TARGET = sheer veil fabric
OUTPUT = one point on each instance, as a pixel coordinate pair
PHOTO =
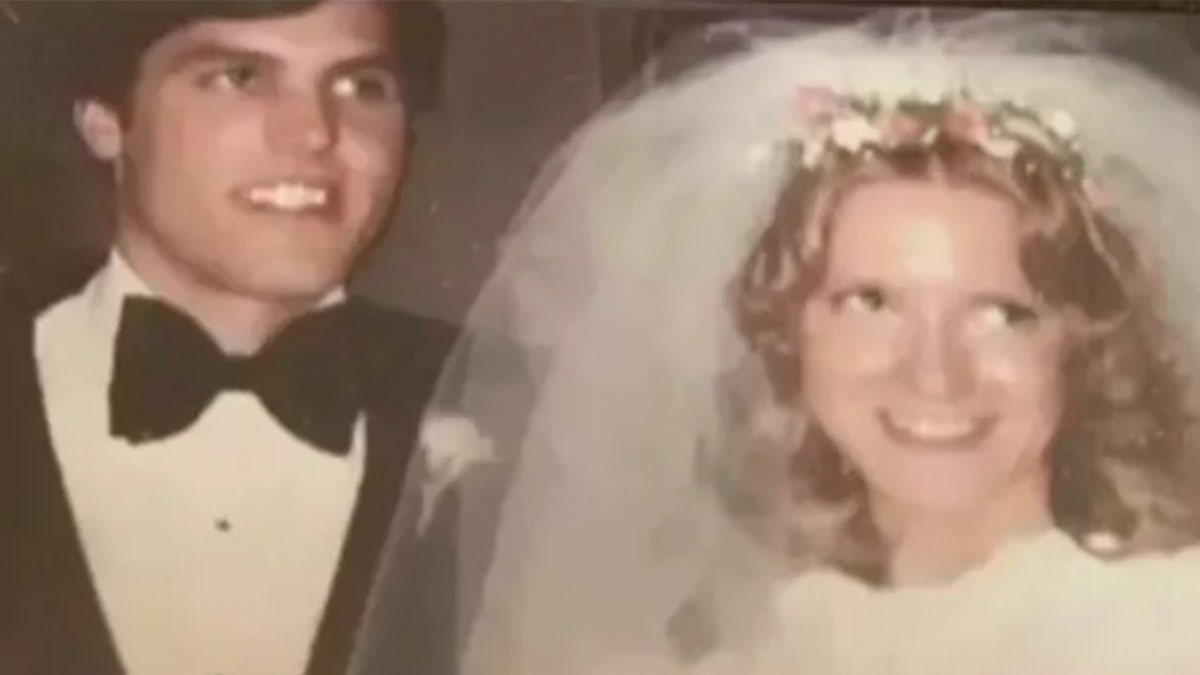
(603, 393)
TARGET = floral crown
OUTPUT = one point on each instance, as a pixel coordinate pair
(859, 124)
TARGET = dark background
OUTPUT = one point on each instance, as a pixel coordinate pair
(520, 75)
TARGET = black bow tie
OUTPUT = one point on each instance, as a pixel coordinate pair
(167, 371)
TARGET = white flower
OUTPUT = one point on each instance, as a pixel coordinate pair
(814, 149)
(1102, 543)
(450, 445)
(928, 91)
(1061, 123)
(889, 98)
(853, 131)
(1000, 147)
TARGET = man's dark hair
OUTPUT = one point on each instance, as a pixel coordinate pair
(100, 43)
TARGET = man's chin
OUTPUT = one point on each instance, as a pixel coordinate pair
(295, 291)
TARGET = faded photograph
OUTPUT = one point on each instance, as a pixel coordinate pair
(599, 337)
(860, 342)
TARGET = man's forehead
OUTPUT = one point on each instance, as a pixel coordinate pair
(327, 34)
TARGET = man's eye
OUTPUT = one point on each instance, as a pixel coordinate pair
(233, 77)
(371, 87)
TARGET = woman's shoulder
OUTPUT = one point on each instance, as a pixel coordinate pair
(1153, 577)
(1138, 614)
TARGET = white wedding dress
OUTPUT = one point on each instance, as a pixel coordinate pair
(1042, 606)
(614, 287)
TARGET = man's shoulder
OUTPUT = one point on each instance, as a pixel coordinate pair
(391, 325)
(391, 339)
(400, 355)
(31, 284)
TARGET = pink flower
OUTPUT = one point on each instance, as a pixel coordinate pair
(900, 129)
(968, 122)
(817, 104)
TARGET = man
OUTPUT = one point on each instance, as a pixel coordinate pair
(205, 438)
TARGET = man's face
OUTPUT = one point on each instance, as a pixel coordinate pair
(258, 157)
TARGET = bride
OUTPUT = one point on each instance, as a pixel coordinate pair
(862, 351)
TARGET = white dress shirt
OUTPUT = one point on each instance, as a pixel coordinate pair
(213, 551)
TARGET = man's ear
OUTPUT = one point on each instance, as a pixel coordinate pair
(100, 127)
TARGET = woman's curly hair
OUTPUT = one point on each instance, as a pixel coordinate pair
(1119, 456)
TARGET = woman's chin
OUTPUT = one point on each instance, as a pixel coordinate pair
(933, 499)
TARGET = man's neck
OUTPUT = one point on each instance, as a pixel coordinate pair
(237, 323)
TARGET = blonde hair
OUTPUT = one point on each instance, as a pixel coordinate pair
(1118, 456)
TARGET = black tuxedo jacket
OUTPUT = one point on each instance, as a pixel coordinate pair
(51, 621)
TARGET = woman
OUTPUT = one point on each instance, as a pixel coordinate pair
(990, 405)
(863, 351)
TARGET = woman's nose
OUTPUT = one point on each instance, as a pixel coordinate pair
(935, 361)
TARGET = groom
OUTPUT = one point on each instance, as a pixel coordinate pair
(204, 438)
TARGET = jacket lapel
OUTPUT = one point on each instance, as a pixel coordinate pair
(52, 620)
(400, 357)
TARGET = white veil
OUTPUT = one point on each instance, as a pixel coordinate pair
(604, 375)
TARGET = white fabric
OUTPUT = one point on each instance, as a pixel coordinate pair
(1041, 606)
(213, 551)
(613, 287)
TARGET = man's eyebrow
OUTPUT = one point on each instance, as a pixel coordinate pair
(382, 59)
(213, 51)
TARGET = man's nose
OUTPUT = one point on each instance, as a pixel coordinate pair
(303, 123)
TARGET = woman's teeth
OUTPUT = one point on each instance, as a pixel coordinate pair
(933, 430)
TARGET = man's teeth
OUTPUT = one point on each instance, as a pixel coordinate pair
(289, 196)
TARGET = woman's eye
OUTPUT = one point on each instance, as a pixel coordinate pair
(1004, 314)
(865, 300)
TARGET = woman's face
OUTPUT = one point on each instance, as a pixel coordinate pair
(927, 357)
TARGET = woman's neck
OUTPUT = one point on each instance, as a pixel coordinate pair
(929, 546)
